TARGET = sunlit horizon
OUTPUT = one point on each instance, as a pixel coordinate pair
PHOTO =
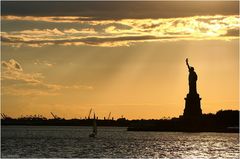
(131, 64)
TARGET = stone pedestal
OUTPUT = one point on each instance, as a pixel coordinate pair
(192, 109)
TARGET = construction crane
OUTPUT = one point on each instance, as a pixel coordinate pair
(89, 113)
(4, 116)
(55, 116)
(109, 116)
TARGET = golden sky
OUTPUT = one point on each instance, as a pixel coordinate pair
(127, 58)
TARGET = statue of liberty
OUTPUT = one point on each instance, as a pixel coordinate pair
(192, 109)
(192, 79)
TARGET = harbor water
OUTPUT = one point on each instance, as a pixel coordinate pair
(112, 142)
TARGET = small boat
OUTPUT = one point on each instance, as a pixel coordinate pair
(94, 133)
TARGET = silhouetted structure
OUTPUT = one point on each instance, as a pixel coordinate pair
(222, 121)
(192, 109)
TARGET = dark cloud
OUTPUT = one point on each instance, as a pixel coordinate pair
(88, 41)
(232, 32)
(17, 66)
(120, 10)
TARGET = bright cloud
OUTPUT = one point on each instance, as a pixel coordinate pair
(123, 32)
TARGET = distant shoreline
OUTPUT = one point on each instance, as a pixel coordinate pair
(234, 130)
(223, 121)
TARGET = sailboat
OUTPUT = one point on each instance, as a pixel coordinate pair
(94, 133)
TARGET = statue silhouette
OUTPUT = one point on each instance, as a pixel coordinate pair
(192, 110)
(192, 79)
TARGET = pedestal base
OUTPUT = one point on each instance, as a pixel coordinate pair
(192, 107)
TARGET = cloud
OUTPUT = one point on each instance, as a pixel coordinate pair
(12, 65)
(95, 41)
(118, 10)
(12, 70)
(127, 31)
(16, 91)
(43, 63)
(15, 81)
(232, 32)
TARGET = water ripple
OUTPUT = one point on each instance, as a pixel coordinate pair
(111, 142)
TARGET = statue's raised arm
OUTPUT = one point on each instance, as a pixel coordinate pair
(187, 63)
(192, 78)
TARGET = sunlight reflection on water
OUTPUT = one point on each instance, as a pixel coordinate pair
(68, 141)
